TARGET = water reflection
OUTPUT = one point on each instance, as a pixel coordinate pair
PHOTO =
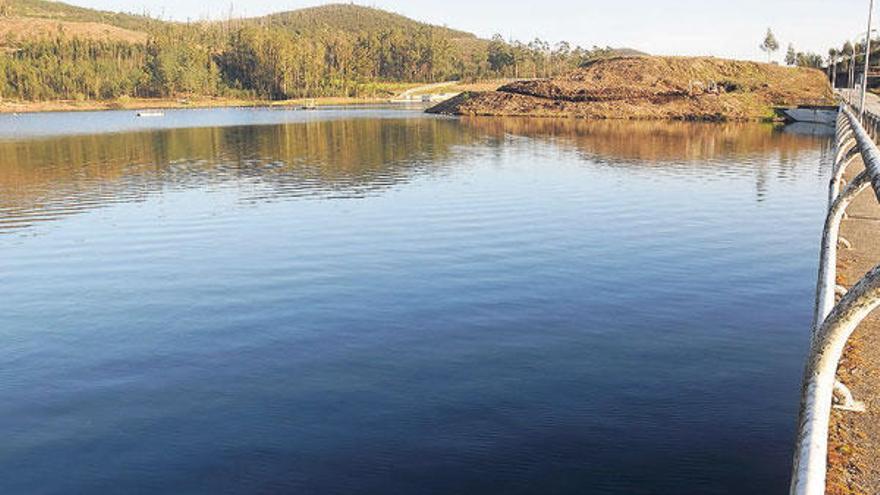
(48, 178)
(530, 307)
(677, 146)
(658, 142)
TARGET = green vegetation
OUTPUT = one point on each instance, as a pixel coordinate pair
(334, 50)
(807, 59)
(790, 55)
(847, 63)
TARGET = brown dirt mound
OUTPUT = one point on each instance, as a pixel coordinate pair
(653, 88)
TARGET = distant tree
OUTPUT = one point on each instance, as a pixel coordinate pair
(770, 44)
(561, 53)
(539, 51)
(500, 55)
(833, 55)
(790, 55)
(847, 53)
(809, 59)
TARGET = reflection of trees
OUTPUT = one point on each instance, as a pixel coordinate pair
(51, 177)
(655, 142)
(46, 178)
(673, 144)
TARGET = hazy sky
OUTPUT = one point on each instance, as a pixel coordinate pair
(725, 28)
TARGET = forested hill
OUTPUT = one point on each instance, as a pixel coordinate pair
(51, 50)
(352, 19)
(62, 12)
(348, 18)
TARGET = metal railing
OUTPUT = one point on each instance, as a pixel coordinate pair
(833, 324)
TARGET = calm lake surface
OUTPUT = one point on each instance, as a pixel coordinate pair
(379, 301)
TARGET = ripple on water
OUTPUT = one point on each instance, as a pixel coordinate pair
(382, 302)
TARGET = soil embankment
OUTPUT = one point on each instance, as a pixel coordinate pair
(682, 88)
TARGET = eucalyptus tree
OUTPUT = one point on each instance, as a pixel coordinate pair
(790, 55)
(833, 55)
(770, 44)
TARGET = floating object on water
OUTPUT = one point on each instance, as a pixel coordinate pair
(150, 113)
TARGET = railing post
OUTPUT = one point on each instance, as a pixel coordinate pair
(833, 325)
(837, 174)
(828, 253)
(811, 451)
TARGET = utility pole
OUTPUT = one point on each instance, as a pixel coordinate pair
(867, 59)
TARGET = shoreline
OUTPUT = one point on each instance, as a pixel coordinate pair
(125, 103)
(22, 107)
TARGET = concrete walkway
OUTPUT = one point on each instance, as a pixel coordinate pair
(427, 88)
(854, 438)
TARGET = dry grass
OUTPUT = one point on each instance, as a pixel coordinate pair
(490, 85)
(16, 29)
(10, 106)
(698, 88)
(461, 87)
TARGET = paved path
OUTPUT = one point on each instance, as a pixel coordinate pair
(873, 101)
(854, 438)
(408, 94)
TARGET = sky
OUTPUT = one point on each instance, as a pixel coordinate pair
(726, 28)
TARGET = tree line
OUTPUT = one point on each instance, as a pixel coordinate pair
(792, 57)
(267, 61)
(847, 62)
(844, 64)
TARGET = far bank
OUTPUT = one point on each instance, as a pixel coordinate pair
(171, 103)
(644, 87)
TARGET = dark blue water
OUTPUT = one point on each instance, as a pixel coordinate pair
(373, 301)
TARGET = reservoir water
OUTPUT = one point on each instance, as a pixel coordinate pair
(359, 301)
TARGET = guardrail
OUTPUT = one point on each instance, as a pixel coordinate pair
(833, 324)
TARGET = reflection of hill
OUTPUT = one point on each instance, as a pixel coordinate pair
(42, 179)
(654, 142)
(46, 178)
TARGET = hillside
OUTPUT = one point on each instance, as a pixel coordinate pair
(698, 88)
(55, 51)
(28, 18)
(15, 30)
(351, 19)
(59, 11)
(22, 21)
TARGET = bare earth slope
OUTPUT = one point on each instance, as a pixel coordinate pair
(691, 88)
(59, 11)
(18, 29)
